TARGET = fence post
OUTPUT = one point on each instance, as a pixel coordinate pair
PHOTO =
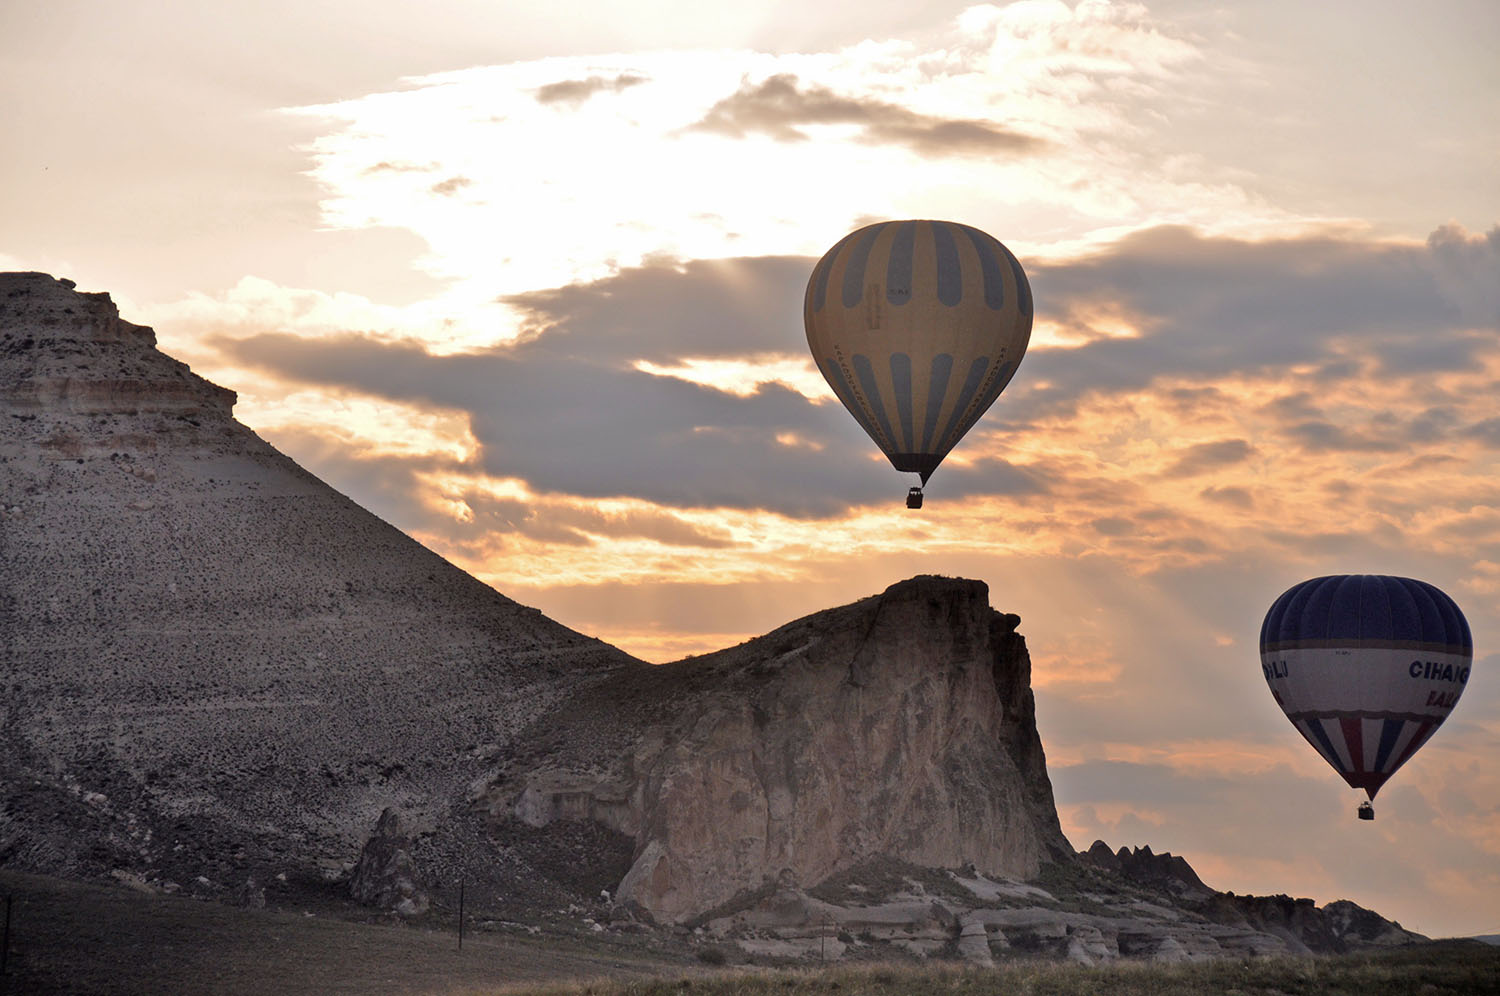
(5, 939)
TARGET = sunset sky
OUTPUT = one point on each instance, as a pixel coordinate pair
(526, 281)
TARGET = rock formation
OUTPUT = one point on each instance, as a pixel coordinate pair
(217, 663)
(206, 646)
(1164, 871)
(902, 724)
(384, 876)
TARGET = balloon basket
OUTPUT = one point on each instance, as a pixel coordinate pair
(1366, 811)
(914, 498)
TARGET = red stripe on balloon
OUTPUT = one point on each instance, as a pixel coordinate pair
(1354, 740)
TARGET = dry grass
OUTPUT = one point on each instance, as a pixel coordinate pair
(1437, 969)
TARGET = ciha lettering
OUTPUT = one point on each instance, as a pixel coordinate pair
(1438, 671)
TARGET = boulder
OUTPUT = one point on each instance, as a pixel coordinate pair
(385, 877)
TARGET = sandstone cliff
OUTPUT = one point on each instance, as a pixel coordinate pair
(900, 725)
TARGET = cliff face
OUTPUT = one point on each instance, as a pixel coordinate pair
(899, 725)
(215, 665)
(67, 352)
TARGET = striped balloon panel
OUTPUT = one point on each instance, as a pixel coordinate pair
(917, 326)
(1349, 609)
(1366, 667)
(1364, 750)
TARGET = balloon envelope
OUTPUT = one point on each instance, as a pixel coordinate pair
(917, 326)
(1366, 667)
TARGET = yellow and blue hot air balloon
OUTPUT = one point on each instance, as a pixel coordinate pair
(917, 326)
(1366, 667)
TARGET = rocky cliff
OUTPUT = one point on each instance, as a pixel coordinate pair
(217, 669)
(900, 725)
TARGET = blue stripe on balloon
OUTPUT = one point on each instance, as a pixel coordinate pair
(1455, 627)
(994, 283)
(901, 378)
(996, 385)
(898, 269)
(950, 277)
(1377, 621)
(835, 377)
(1344, 616)
(1390, 732)
(865, 371)
(824, 269)
(965, 395)
(1023, 286)
(859, 258)
(1432, 627)
(937, 390)
(1406, 617)
(1325, 746)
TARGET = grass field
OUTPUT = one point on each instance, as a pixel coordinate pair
(69, 937)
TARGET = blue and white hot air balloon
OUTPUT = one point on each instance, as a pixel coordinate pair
(1366, 667)
(917, 326)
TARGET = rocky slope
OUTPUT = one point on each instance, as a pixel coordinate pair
(1085, 911)
(202, 641)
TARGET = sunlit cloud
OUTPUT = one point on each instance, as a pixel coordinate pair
(1028, 120)
(743, 377)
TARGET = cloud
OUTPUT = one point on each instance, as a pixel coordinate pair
(780, 108)
(1229, 495)
(452, 185)
(575, 92)
(665, 311)
(385, 166)
(1202, 458)
(1215, 306)
(1486, 431)
(597, 398)
(589, 428)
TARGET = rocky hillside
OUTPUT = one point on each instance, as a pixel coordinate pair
(202, 641)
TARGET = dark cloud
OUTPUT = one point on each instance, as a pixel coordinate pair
(587, 426)
(779, 107)
(577, 91)
(1204, 457)
(1216, 306)
(565, 408)
(1327, 437)
(1113, 526)
(1238, 497)
(663, 312)
(1486, 431)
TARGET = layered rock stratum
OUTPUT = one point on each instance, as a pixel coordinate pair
(219, 673)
